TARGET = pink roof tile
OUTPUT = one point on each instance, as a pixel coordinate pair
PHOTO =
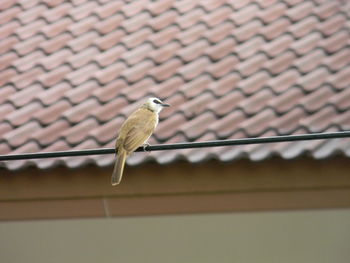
(71, 71)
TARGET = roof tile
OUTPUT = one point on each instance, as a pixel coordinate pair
(196, 86)
(110, 24)
(303, 27)
(184, 6)
(251, 65)
(217, 33)
(83, 10)
(160, 6)
(51, 114)
(254, 82)
(79, 112)
(53, 93)
(273, 12)
(258, 123)
(56, 59)
(162, 37)
(109, 40)
(250, 47)
(134, 7)
(245, 14)
(286, 100)
(310, 61)
(19, 136)
(53, 77)
(300, 11)
(110, 90)
(24, 114)
(190, 18)
(193, 69)
(163, 20)
(52, 30)
(55, 43)
(109, 56)
(193, 51)
(336, 41)
(78, 132)
(108, 9)
(83, 26)
(255, 103)
(217, 16)
(226, 104)
(28, 77)
(55, 13)
(25, 96)
(6, 92)
(223, 66)
(108, 74)
(274, 29)
(29, 45)
(165, 70)
(229, 69)
(221, 49)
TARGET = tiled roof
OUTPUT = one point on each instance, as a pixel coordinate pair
(71, 71)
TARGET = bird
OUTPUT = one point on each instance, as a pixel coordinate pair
(134, 132)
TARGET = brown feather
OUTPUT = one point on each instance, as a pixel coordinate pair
(134, 132)
(118, 167)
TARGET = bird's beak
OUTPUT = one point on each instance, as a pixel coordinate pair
(165, 105)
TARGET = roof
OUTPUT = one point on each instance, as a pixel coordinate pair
(71, 71)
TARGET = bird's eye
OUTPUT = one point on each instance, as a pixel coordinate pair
(156, 101)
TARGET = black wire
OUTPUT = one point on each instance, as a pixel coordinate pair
(178, 146)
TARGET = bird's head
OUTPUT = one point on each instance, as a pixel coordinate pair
(155, 104)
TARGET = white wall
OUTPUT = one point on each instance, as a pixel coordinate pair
(311, 236)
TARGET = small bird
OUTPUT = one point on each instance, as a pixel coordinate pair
(135, 132)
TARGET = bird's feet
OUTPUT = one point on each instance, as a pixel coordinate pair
(145, 146)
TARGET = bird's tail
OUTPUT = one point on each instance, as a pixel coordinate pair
(118, 167)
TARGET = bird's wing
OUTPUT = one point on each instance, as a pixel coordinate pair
(139, 127)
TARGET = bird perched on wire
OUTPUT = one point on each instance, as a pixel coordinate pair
(135, 132)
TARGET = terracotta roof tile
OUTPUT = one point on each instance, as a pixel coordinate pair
(273, 12)
(6, 92)
(71, 72)
(134, 7)
(19, 136)
(217, 16)
(55, 13)
(249, 47)
(221, 49)
(109, 91)
(55, 43)
(300, 11)
(190, 18)
(336, 41)
(52, 30)
(254, 82)
(108, 9)
(274, 29)
(223, 66)
(244, 14)
(227, 125)
(25, 96)
(256, 102)
(162, 37)
(29, 45)
(53, 77)
(26, 78)
(184, 6)
(56, 59)
(226, 104)
(165, 70)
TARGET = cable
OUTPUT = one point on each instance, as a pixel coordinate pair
(178, 146)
